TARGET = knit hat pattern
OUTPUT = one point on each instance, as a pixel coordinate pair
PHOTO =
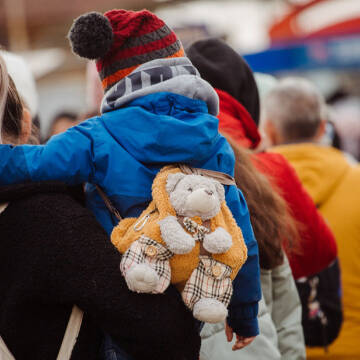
(121, 40)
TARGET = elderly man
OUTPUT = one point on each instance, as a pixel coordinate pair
(295, 115)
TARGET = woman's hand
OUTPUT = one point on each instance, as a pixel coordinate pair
(240, 342)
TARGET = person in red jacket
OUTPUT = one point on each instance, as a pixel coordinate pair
(234, 82)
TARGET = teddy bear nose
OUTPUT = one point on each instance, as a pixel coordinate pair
(209, 192)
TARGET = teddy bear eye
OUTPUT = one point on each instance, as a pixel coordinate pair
(190, 189)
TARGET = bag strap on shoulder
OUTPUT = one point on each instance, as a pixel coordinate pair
(71, 334)
(68, 342)
(113, 210)
(5, 353)
(221, 177)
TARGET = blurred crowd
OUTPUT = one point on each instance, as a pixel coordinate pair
(295, 163)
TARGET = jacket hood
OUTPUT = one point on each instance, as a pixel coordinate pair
(164, 128)
(320, 168)
(236, 121)
(226, 70)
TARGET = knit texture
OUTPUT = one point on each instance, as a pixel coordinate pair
(54, 254)
(181, 265)
(91, 35)
(121, 40)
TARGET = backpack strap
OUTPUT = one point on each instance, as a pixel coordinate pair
(5, 353)
(71, 334)
(221, 177)
(3, 207)
(68, 343)
(108, 203)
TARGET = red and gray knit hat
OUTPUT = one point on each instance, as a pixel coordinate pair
(121, 40)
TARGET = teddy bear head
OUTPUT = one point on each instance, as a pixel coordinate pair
(195, 195)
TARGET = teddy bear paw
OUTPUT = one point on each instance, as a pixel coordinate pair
(142, 278)
(210, 310)
(217, 242)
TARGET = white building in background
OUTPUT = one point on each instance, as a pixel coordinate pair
(245, 23)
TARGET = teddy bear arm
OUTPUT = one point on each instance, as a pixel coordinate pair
(218, 242)
(175, 237)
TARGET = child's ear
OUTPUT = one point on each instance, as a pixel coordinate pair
(26, 125)
(173, 180)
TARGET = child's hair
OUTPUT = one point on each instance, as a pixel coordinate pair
(273, 224)
(11, 109)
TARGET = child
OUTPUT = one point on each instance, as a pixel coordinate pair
(156, 111)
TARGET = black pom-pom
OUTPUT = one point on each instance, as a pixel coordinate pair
(91, 35)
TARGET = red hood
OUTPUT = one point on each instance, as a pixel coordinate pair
(236, 121)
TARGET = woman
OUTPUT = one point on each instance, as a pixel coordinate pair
(53, 254)
(280, 312)
(234, 82)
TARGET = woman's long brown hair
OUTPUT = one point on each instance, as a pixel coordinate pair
(274, 226)
(4, 85)
(12, 111)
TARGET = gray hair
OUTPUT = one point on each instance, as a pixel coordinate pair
(296, 108)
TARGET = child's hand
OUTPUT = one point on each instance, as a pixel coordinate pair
(240, 342)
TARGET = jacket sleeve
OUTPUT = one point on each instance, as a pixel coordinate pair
(318, 245)
(286, 313)
(67, 157)
(243, 309)
(83, 268)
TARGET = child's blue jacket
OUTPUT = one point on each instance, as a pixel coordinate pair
(123, 150)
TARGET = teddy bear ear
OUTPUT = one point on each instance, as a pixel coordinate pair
(173, 180)
(220, 190)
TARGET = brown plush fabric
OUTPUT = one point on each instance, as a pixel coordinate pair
(182, 265)
(53, 254)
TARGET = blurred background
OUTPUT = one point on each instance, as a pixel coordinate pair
(319, 39)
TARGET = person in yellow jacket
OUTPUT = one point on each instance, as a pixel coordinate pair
(294, 124)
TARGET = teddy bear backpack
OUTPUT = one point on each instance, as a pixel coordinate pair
(187, 236)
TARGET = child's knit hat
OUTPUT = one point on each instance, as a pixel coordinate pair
(121, 40)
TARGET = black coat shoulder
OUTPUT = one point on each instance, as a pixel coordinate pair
(54, 251)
